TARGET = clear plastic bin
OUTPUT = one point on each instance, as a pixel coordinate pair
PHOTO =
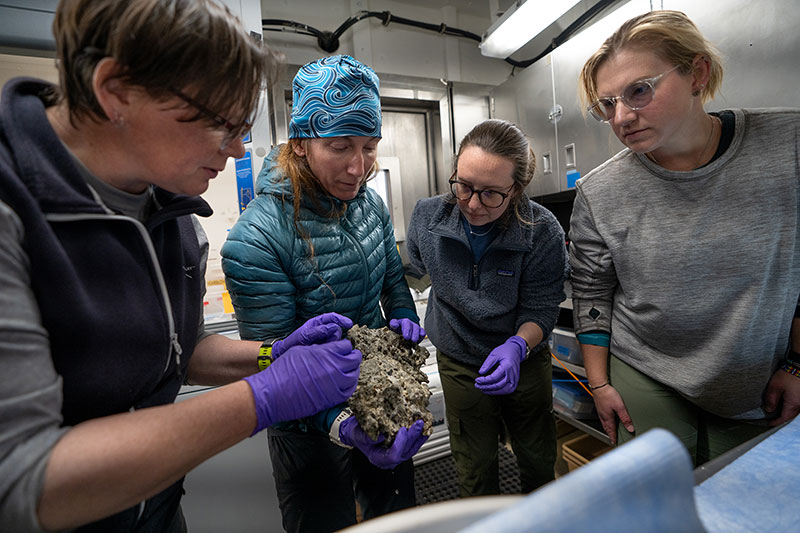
(570, 399)
(565, 346)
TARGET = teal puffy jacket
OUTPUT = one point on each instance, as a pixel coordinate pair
(275, 287)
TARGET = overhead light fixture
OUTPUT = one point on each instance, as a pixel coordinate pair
(520, 23)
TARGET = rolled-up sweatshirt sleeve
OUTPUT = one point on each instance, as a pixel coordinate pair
(593, 277)
(30, 388)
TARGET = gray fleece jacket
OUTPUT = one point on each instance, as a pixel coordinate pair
(696, 275)
(473, 308)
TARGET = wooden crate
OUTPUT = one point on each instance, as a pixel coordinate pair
(580, 450)
(564, 433)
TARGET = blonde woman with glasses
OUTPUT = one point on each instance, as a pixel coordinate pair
(685, 247)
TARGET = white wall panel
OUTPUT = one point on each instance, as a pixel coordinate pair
(394, 49)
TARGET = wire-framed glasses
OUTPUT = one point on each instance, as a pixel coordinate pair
(488, 197)
(229, 130)
(635, 96)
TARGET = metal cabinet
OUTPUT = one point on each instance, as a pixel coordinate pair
(759, 43)
(543, 100)
(527, 100)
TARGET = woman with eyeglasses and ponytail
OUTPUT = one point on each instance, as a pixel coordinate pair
(497, 264)
(685, 247)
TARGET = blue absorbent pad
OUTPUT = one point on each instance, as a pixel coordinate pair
(759, 490)
(643, 485)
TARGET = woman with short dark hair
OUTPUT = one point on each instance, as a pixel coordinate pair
(102, 265)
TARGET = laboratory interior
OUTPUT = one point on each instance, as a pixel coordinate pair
(446, 66)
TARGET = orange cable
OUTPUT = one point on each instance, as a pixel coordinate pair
(573, 375)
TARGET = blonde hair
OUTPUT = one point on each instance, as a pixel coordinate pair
(195, 46)
(668, 34)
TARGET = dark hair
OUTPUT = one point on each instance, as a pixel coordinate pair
(504, 139)
(194, 46)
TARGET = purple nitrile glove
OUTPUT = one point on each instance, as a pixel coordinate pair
(304, 381)
(410, 330)
(505, 377)
(406, 443)
(318, 330)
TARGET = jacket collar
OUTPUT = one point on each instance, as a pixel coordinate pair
(49, 174)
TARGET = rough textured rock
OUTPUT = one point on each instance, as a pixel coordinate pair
(392, 392)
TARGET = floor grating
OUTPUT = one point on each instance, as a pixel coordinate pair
(437, 481)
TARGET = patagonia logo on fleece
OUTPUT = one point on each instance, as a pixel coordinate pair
(506, 273)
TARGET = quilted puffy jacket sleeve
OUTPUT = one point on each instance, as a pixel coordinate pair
(395, 297)
(254, 262)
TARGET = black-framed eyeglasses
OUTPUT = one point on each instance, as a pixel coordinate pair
(488, 197)
(635, 96)
(231, 131)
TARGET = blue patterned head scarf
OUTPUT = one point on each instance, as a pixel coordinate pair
(334, 97)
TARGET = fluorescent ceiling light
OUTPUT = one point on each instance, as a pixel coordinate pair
(521, 23)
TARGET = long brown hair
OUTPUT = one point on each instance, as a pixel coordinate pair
(504, 139)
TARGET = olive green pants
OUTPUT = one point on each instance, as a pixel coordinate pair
(652, 404)
(476, 421)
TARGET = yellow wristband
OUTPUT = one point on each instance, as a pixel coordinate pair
(264, 358)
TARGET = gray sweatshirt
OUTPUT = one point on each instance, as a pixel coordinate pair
(696, 275)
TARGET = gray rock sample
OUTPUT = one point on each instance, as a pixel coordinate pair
(392, 392)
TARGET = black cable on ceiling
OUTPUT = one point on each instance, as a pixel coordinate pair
(329, 41)
(568, 32)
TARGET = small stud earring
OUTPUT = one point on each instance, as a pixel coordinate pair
(117, 119)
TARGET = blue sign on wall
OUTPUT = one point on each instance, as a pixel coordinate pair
(572, 177)
(244, 180)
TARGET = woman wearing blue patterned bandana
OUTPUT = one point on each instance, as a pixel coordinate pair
(316, 240)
